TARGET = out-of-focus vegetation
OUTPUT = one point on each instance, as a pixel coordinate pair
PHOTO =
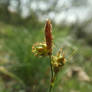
(21, 71)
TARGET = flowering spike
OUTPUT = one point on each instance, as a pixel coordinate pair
(40, 49)
(45, 49)
(48, 36)
(58, 61)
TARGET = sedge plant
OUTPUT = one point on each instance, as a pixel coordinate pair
(46, 49)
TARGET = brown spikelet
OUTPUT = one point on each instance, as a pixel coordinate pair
(48, 36)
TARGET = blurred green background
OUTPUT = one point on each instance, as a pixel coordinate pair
(22, 24)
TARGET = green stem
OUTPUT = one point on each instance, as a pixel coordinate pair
(52, 76)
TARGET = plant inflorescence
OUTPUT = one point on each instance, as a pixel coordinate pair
(46, 49)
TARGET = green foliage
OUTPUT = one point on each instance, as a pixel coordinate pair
(16, 42)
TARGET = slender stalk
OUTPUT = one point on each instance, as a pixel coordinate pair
(52, 76)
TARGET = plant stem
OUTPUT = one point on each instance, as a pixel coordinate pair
(52, 75)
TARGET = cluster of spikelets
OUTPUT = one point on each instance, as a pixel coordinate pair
(40, 49)
(58, 61)
(45, 49)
